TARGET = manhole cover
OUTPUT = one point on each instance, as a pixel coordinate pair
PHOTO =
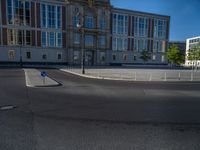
(9, 107)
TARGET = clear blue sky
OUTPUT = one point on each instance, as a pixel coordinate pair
(185, 14)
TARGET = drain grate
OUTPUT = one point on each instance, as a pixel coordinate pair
(8, 107)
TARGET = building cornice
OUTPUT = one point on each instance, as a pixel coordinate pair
(134, 12)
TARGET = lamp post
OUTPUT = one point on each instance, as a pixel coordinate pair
(80, 25)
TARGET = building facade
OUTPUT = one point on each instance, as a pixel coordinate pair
(133, 32)
(93, 36)
(33, 31)
(60, 31)
(191, 43)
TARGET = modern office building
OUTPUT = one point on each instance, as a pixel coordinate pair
(191, 43)
(62, 31)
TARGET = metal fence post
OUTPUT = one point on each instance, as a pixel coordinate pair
(150, 77)
(179, 76)
(192, 76)
(165, 78)
(135, 74)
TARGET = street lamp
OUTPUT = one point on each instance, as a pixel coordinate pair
(80, 26)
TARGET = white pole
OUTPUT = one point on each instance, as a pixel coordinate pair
(165, 77)
(43, 80)
(150, 77)
(135, 76)
(192, 76)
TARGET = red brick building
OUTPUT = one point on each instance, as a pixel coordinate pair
(33, 31)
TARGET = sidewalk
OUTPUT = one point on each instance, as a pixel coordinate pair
(138, 74)
(34, 79)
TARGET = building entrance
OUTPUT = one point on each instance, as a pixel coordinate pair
(89, 58)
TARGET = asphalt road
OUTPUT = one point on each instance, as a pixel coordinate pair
(98, 114)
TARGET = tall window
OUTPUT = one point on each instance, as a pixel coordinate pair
(12, 37)
(119, 44)
(44, 15)
(136, 45)
(52, 39)
(102, 41)
(140, 44)
(89, 21)
(19, 37)
(114, 26)
(76, 38)
(89, 40)
(126, 25)
(103, 23)
(120, 27)
(27, 13)
(120, 24)
(51, 16)
(19, 12)
(59, 21)
(59, 40)
(28, 37)
(160, 28)
(141, 26)
(44, 39)
(114, 44)
(158, 46)
(10, 11)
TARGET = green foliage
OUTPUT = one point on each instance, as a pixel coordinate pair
(174, 55)
(145, 56)
(194, 53)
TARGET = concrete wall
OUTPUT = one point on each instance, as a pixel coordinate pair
(36, 54)
(130, 58)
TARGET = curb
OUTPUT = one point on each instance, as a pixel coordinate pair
(40, 86)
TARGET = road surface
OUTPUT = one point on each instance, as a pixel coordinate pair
(95, 114)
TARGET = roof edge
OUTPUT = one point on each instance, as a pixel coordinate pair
(140, 12)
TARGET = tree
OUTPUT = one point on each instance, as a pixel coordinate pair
(145, 56)
(194, 54)
(174, 55)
